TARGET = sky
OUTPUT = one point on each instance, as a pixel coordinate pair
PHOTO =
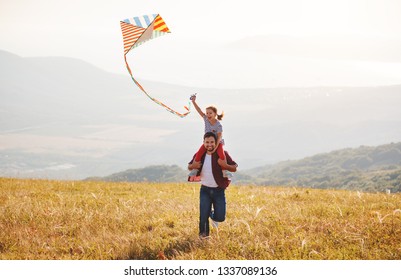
(223, 44)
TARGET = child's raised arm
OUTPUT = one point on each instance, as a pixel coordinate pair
(193, 99)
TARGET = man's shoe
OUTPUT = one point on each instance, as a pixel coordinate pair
(227, 174)
(194, 179)
(203, 236)
(193, 172)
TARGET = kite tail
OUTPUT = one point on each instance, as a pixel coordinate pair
(154, 99)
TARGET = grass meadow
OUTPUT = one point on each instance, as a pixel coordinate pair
(45, 219)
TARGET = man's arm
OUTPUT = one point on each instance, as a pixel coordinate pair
(229, 167)
(194, 165)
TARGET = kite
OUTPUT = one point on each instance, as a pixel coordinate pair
(138, 30)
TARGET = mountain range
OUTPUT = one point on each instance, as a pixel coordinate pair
(367, 168)
(373, 169)
(63, 118)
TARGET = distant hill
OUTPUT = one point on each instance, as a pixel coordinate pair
(156, 173)
(373, 169)
(364, 168)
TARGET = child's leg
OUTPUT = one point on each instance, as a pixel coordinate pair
(200, 153)
(220, 152)
(222, 156)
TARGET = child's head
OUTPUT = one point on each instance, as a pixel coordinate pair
(211, 112)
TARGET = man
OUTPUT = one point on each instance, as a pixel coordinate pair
(213, 186)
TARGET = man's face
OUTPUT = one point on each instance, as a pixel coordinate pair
(209, 143)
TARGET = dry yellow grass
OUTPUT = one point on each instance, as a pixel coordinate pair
(41, 219)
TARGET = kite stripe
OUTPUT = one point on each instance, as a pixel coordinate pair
(143, 21)
(160, 24)
(138, 21)
(147, 20)
(131, 34)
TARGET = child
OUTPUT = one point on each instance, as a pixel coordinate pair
(212, 124)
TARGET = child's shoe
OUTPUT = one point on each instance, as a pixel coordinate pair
(227, 174)
(194, 179)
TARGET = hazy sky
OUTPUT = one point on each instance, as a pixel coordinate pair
(225, 43)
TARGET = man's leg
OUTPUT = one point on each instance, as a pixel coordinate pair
(205, 205)
(219, 205)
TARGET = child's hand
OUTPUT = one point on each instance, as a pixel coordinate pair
(193, 97)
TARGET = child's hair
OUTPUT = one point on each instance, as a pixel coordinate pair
(214, 109)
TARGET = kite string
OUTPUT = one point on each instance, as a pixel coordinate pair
(154, 99)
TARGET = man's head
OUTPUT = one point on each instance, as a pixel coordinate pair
(209, 141)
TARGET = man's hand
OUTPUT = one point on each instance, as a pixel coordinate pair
(195, 165)
(224, 165)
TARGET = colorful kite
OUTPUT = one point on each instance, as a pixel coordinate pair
(138, 30)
